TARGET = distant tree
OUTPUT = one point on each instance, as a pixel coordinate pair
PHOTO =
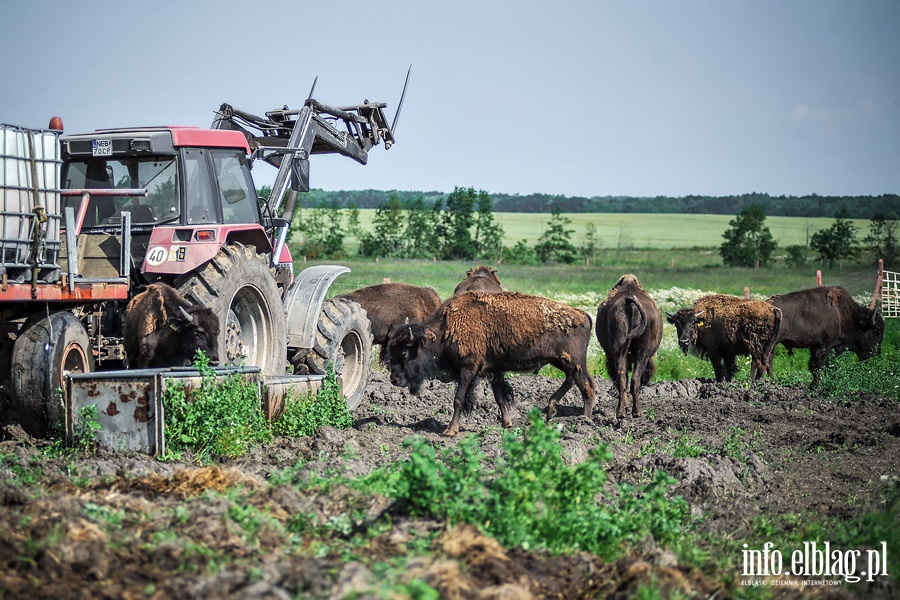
(418, 236)
(308, 225)
(748, 241)
(440, 232)
(591, 244)
(488, 236)
(459, 219)
(386, 237)
(883, 239)
(838, 242)
(555, 243)
(521, 253)
(354, 228)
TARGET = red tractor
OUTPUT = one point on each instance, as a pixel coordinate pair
(175, 205)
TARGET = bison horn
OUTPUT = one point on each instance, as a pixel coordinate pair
(188, 318)
(411, 337)
(670, 315)
(699, 314)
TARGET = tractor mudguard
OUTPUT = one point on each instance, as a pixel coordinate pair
(303, 303)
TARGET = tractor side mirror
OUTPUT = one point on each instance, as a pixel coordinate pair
(300, 174)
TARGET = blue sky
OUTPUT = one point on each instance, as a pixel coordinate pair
(586, 98)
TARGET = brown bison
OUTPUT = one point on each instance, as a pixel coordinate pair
(483, 334)
(827, 318)
(390, 304)
(479, 279)
(629, 329)
(162, 329)
(721, 327)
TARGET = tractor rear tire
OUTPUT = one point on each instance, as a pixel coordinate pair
(240, 288)
(46, 348)
(344, 339)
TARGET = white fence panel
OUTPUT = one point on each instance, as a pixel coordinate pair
(890, 294)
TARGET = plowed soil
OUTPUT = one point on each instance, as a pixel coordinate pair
(113, 525)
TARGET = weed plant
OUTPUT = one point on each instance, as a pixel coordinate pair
(225, 419)
(532, 498)
(845, 375)
(217, 420)
(304, 415)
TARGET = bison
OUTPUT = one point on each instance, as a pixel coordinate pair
(721, 327)
(479, 279)
(390, 304)
(162, 329)
(827, 318)
(486, 334)
(629, 329)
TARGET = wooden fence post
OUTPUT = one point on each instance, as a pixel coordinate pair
(878, 283)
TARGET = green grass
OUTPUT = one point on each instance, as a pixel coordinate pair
(701, 270)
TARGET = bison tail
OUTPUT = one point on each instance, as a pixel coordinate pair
(637, 318)
(776, 334)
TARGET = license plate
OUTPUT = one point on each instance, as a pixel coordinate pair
(101, 147)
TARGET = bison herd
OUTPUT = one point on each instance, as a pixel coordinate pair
(484, 331)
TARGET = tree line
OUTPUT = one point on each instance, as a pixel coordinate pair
(812, 205)
(461, 226)
(748, 242)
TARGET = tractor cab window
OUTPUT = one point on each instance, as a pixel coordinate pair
(199, 206)
(237, 194)
(156, 175)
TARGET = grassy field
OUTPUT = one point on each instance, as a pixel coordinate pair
(629, 230)
(699, 269)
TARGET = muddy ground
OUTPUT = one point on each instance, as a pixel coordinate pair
(128, 526)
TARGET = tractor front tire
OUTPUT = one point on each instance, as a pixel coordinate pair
(45, 348)
(239, 286)
(343, 339)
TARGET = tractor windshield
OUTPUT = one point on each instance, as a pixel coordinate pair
(156, 175)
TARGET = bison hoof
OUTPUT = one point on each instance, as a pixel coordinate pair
(450, 432)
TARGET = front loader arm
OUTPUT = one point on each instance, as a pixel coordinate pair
(297, 135)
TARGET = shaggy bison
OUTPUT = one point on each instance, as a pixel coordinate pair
(479, 279)
(484, 334)
(827, 318)
(390, 304)
(629, 329)
(162, 329)
(721, 327)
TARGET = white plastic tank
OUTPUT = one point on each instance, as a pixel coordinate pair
(29, 177)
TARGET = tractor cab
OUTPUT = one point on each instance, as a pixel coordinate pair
(182, 187)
